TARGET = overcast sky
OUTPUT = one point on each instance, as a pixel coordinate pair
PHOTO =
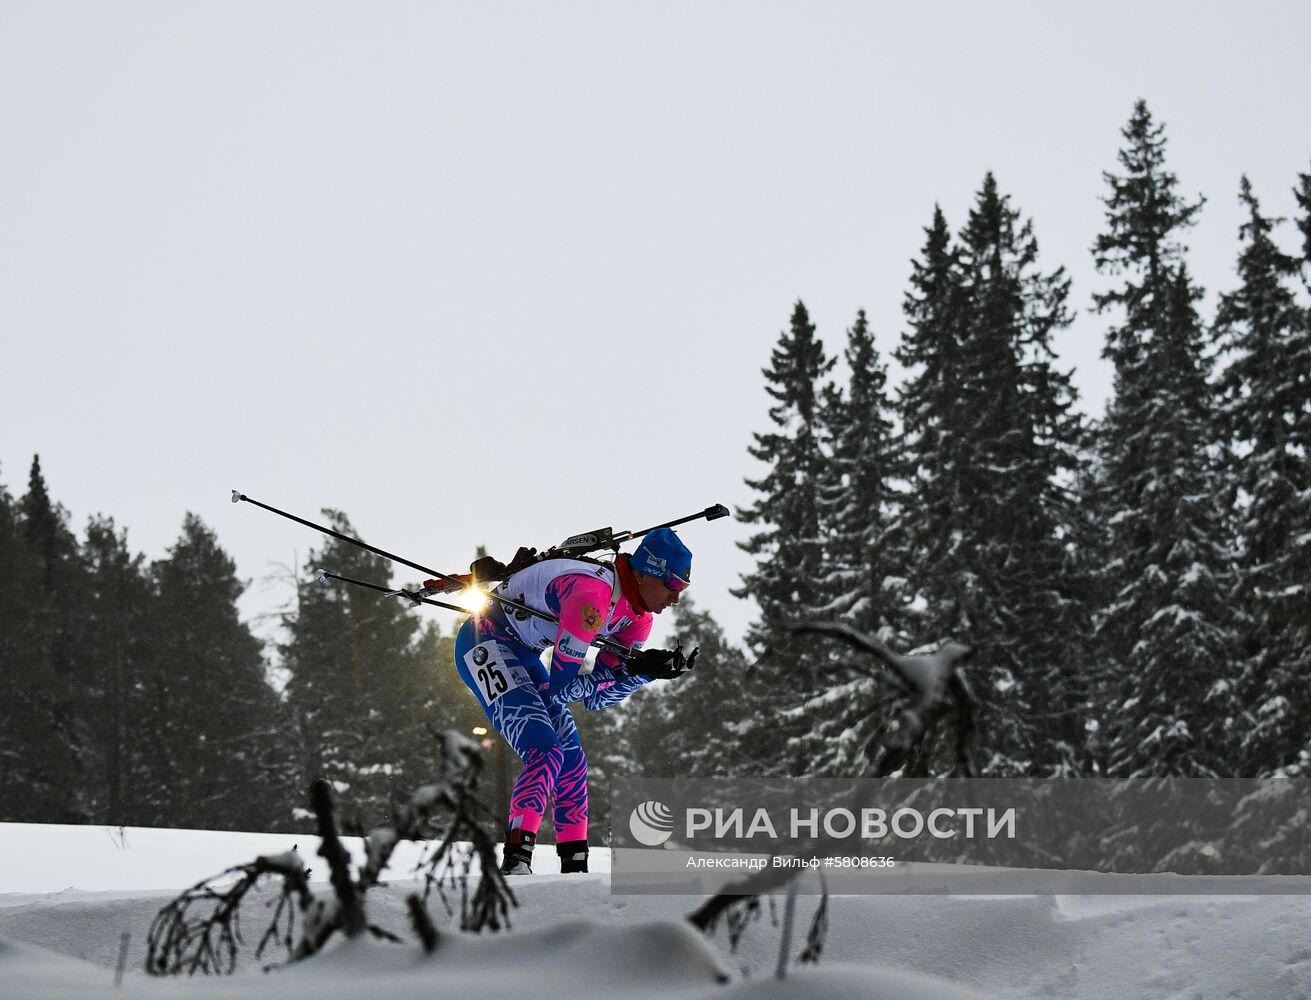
(500, 273)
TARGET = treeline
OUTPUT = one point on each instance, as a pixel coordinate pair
(134, 694)
(1138, 587)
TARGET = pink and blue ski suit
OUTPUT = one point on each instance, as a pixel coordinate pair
(498, 655)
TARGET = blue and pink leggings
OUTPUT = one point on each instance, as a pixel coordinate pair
(511, 684)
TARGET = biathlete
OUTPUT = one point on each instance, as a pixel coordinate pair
(498, 655)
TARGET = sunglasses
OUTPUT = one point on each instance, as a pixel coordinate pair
(675, 583)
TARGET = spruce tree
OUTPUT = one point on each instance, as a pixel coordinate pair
(1299, 571)
(1303, 195)
(50, 734)
(865, 561)
(1166, 635)
(1016, 473)
(935, 426)
(1267, 400)
(934, 420)
(863, 570)
(788, 545)
(992, 441)
(24, 784)
(213, 715)
(117, 644)
(358, 684)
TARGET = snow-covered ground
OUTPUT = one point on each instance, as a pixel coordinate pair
(69, 894)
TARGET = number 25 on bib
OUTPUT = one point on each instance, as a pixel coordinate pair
(493, 677)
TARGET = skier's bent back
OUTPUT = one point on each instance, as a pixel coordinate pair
(498, 655)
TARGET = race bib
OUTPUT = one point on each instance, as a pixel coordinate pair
(493, 676)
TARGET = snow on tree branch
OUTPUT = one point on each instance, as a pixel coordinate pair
(200, 930)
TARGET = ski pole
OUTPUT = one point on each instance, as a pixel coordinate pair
(416, 599)
(237, 497)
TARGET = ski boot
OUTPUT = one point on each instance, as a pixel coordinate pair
(573, 856)
(517, 858)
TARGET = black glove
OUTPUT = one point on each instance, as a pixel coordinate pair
(661, 664)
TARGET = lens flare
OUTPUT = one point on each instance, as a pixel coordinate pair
(472, 600)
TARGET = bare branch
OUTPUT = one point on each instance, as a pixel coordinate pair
(350, 914)
(200, 930)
